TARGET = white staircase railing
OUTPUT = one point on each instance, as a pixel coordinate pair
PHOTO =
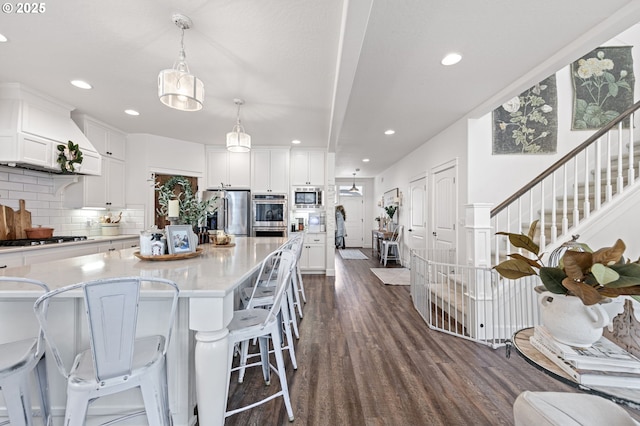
(579, 184)
(473, 301)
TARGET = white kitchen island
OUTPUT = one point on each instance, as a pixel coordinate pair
(197, 356)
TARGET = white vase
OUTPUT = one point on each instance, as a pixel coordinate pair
(570, 321)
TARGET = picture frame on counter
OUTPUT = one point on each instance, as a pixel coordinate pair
(180, 239)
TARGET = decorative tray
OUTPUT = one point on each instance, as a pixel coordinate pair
(223, 245)
(177, 256)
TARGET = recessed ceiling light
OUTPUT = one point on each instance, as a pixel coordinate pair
(365, 160)
(131, 112)
(296, 142)
(3, 39)
(389, 132)
(80, 84)
(451, 59)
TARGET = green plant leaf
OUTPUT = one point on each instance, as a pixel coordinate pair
(514, 269)
(629, 275)
(552, 279)
(603, 274)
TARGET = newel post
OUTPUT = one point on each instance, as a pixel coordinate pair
(479, 232)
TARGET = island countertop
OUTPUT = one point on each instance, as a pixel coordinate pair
(214, 273)
(199, 347)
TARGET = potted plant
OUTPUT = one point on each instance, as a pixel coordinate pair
(582, 277)
(391, 211)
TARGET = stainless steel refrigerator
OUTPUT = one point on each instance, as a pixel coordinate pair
(234, 211)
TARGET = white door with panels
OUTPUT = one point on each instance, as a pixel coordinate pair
(417, 229)
(444, 207)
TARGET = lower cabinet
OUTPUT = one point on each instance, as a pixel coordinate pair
(312, 259)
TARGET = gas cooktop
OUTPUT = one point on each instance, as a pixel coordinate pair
(40, 241)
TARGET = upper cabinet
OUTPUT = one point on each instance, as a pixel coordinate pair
(107, 190)
(107, 140)
(228, 169)
(307, 167)
(270, 170)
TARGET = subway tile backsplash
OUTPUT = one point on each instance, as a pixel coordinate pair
(47, 206)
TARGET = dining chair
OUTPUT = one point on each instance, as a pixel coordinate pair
(117, 359)
(391, 247)
(264, 325)
(18, 360)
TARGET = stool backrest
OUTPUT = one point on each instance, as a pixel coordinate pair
(27, 284)
(111, 308)
(397, 234)
(282, 274)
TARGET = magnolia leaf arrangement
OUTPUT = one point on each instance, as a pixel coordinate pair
(391, 210)
(590, 275)
(68, 155)
(192, 210)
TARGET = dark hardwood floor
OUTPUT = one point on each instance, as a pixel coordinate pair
(365, 357)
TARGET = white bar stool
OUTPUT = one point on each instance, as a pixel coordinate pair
(117, 359)
(18, 359)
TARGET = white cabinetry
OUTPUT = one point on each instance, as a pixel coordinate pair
(33, 126)
(312, 259)
(106, 140)
(113, 245)
(307, 167)
(228, 169)
(270, 170)
(107, 190)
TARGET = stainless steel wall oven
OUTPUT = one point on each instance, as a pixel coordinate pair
(269, 215)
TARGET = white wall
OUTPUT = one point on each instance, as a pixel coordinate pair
(483, 177)
(148, 154)
(493, 178)
(449, 145)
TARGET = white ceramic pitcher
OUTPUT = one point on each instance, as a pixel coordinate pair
(570, 321)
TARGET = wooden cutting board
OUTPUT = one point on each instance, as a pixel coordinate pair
(22, 220)
(7, 227)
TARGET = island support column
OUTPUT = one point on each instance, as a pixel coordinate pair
(209, 317)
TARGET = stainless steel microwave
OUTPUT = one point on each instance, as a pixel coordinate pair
(307, 197)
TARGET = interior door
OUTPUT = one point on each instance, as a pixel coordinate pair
(445, 208)
(417, 214)
(353, 225)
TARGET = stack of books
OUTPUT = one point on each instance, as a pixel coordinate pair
(602, 364)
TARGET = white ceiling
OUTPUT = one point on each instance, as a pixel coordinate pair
(331, 73)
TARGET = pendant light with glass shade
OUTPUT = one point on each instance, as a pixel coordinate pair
(237, 139)
(177, 87)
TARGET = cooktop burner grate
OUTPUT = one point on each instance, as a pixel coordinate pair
(40, 241)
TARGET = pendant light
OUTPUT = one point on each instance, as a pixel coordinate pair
(354, 188)
(177, 87)
(237, 139)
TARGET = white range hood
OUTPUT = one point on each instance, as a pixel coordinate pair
(32, 125)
